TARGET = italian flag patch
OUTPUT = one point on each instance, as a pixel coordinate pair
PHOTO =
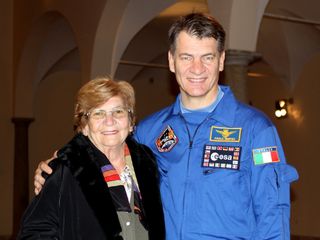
(265, 155)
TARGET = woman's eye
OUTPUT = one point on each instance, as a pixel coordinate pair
(98, 114)
(118, 112)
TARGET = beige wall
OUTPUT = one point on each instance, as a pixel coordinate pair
(6, 127)
(302, 143)
(155, 88)
(53, 124)
(300, 137)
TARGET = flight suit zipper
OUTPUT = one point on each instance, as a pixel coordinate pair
(191, 141)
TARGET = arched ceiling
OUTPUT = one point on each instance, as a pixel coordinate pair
(285, 45)
(50, 46)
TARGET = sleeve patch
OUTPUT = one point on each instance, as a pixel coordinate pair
(265, 155)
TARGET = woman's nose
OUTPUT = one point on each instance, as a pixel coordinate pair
(109, 119)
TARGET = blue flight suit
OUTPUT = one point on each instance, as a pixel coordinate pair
(223, 174)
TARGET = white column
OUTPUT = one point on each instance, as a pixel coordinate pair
(236, 71)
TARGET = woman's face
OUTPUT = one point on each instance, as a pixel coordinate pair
(108, 125)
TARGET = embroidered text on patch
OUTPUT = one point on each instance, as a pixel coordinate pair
(265, 155)
(167, 140)
(227, 157)
(224, 134)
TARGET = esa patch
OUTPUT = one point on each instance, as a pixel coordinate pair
(167, 140)
(221, 157)
(224, 134)
(265, 155)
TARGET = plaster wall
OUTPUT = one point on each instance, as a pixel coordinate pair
(6, 127)
(299, 134)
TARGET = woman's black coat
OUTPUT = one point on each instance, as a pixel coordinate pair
(75, 202)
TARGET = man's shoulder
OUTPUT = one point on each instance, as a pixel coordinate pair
(242, 111)
(253, 115)
(147, 128)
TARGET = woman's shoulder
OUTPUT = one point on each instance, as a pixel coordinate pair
(136, 146)
(140, 151)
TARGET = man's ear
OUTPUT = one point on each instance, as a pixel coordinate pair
(221, 61)
(171, 61)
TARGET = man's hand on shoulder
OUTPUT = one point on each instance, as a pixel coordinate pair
(39, 180)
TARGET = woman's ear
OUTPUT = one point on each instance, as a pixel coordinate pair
(85, 130)
(131, 129)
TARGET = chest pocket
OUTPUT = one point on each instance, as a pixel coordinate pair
(230, 181)
(230, 188)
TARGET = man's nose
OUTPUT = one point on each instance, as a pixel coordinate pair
(197, 66)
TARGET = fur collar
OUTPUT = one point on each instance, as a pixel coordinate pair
(79, 155)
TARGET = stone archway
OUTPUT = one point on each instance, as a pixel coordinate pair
(122, 21)
(50, 42)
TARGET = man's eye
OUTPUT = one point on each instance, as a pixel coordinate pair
(186, 58)
(207, 59)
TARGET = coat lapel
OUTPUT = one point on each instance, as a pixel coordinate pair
(146, 170)
(79, 156)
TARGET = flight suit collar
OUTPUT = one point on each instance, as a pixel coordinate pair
(224, 112)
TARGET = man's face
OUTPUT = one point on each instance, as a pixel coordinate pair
(196, 64)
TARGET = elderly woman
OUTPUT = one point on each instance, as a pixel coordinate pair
(105, 184)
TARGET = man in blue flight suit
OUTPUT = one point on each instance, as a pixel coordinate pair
(223, 170)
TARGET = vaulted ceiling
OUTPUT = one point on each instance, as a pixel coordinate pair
(288, 37)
